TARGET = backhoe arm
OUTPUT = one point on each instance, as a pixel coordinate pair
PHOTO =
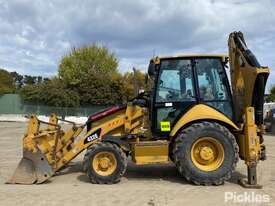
(248, 80)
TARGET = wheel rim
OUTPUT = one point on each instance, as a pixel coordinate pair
(104, 163)
(207, 154)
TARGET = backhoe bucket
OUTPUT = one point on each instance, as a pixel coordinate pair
(33, 168)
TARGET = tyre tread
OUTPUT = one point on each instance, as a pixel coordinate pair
(90, 152)
(180, 140)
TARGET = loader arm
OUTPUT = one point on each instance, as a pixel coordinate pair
(46, 151)
(248, 80)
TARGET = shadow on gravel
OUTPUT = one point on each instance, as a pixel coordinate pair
(72, 167)
(166, 172)
(236, 176)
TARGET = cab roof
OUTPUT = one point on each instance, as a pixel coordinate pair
(222, 56)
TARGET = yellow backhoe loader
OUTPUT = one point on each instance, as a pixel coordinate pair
(191, 117)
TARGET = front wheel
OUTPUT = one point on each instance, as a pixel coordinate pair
(206, 153)
(105, 163)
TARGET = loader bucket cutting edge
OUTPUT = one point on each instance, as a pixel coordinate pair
(24, 173)
(32, 169)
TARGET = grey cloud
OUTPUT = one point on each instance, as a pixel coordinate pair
(34, 35)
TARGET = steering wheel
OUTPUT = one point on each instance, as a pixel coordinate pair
(172, 95)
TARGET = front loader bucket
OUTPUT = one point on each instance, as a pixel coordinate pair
(33, 168)
(24, 173)
(45, 150)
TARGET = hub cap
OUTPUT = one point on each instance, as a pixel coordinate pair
(207, 154)
(104, 163)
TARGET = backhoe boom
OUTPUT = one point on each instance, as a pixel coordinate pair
(248, 80)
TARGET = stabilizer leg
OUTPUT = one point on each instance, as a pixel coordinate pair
(251, 181)
(252, 148)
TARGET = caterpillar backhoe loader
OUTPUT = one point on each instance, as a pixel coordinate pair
(192, 117)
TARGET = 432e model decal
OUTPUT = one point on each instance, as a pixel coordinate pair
(95, 135)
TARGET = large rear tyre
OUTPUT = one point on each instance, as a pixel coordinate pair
(105, 163)
(206, 153)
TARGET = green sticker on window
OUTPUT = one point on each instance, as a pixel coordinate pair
(165, 126)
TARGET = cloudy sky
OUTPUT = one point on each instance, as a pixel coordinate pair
(34, 35)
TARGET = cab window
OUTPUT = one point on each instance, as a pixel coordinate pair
(175, 81)
(212, 84)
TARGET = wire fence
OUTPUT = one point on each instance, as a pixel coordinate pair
(13, 104)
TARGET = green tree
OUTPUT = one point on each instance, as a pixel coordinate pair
(99, 89)
(52, 93)
(92, 72)
(18, 79)
(39, 79)
(6, 82)
(86, 76)
(88, 60)
(271, 98)
(29, 80)
(128, 84)
(46, 79)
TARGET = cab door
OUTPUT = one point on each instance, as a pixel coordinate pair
(213, 85)
(174, 94)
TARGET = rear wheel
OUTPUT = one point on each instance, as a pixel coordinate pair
(206, 153)
(105, 163)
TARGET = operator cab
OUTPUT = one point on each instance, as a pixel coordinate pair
(184, 81)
